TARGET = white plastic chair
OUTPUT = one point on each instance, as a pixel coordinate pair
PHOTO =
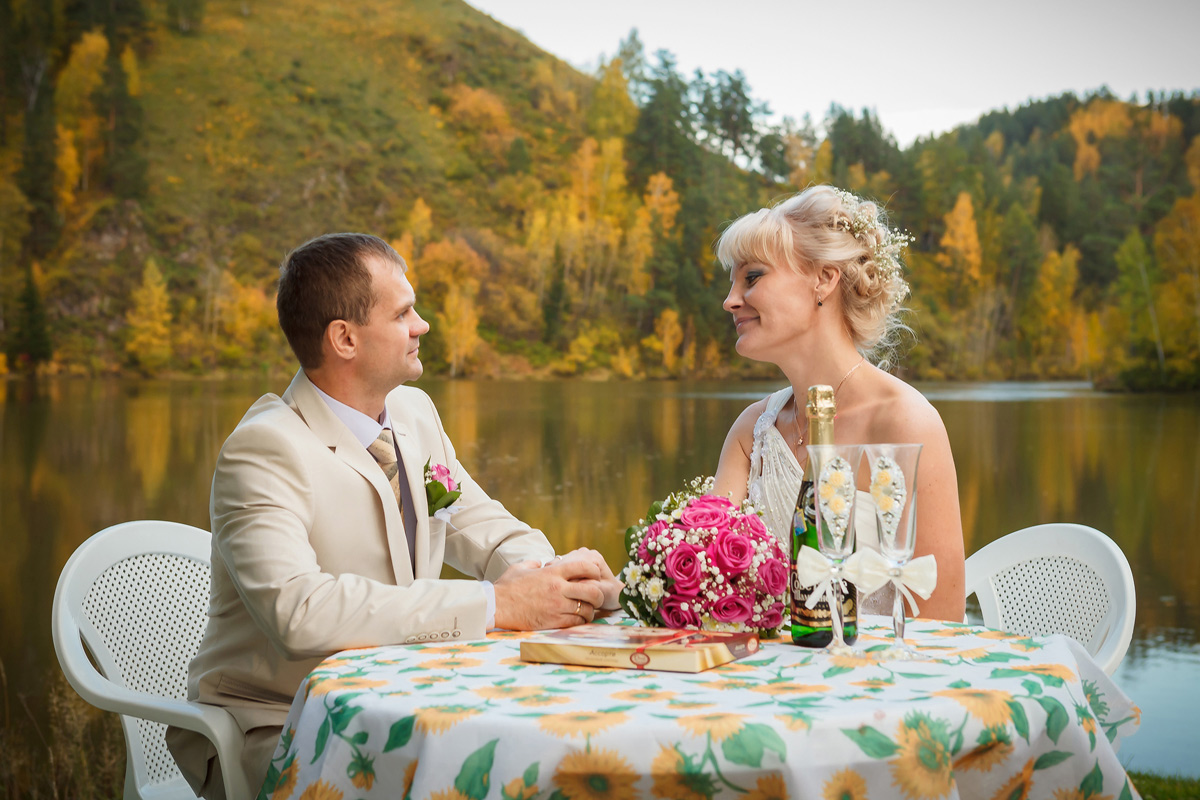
(136, 595)
(1058, 578)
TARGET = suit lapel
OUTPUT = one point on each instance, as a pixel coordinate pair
(329, 429)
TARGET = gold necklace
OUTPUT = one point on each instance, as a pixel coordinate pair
(796, 411)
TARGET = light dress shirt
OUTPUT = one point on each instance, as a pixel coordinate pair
(366, 430)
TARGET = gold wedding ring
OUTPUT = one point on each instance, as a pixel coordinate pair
(578, 605)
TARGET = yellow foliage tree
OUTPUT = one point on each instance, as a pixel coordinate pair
(419, 224)
(458, 324)
(1192, 159)
(133, 75)
(653, 221)
(612, 113)
(662, 200)
(478, 108)
(67, 169)
(73, 105)
(670, 335)
(550, 91)
(149, 320)
(994, 144)
(1050, 315)
(961, 257)
(245, 311)
(443, 265)
(1177, 249)
(822, 166)
(799, 154)
(1092, 123)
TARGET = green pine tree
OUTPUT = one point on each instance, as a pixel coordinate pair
(29, 341)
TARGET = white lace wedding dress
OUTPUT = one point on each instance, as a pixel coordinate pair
(774, 483)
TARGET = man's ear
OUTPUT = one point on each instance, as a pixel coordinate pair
(340, 340)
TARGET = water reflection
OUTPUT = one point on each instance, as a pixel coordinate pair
(583, 460)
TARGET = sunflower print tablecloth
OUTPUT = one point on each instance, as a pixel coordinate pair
(994, 716)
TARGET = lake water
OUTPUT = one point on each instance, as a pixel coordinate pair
(582, 460)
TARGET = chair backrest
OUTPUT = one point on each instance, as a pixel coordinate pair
(1057, 578)
(138, 594)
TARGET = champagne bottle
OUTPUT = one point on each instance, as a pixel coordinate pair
(813, 627)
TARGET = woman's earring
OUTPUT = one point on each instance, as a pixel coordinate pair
(819, 303)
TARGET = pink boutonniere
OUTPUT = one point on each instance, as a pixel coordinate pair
(440, 489)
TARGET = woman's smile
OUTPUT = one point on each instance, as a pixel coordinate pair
(739, 321)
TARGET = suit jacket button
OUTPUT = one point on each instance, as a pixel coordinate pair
(445, 634)
(410, 639)
(422, 637)
(457, 634)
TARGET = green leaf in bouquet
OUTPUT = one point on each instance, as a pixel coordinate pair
(632, 540)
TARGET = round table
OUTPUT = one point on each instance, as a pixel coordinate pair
(991, 715)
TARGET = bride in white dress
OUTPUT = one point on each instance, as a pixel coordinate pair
(817, 284)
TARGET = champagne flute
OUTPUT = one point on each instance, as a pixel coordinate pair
(894, 490)
(833, 468)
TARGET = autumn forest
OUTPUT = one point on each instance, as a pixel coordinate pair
(159, 157)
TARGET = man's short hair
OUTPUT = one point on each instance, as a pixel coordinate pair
(327, 279)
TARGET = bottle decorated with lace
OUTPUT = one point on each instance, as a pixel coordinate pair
(813, 627)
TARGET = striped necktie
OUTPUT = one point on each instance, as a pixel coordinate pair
(383, 450)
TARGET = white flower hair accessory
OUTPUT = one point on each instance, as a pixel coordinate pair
(886, 244)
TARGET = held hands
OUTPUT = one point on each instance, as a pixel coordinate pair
(566, 592)
(609, 583)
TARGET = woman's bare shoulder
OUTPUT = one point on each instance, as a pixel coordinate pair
(903, 413)
(743, 426)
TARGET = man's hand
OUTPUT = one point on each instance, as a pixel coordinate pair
(608, 582)
(559, 595)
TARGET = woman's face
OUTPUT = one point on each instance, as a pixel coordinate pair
(771, 306)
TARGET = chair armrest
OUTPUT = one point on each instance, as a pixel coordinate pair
(214, 723)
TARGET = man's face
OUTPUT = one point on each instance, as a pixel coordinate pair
(388, 344)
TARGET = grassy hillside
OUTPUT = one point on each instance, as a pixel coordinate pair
(266, 128)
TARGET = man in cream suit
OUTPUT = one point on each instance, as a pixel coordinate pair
(315, 550)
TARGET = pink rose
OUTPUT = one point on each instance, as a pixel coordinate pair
(708, 511)
(652, 533)
(773, 616)
(713, 501)
(731, 608)
(753, 524)
(772, 577)
(731, 552)
(676, 616)
(442, 475)
(683, 567)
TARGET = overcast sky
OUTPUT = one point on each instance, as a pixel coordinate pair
(923, 66)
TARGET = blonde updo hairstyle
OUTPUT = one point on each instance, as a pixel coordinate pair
(823, 226)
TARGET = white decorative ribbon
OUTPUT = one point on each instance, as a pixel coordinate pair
(814, 568)
(871, 570)
(444, 514)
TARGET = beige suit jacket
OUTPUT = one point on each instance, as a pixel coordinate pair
(309, 557)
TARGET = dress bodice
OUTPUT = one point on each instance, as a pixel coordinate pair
(774, 482)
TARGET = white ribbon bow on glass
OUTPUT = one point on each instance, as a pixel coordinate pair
(872, 570)
(816, 569)
(868, 570)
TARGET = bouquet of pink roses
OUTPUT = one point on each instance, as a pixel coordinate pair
(698, 561)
